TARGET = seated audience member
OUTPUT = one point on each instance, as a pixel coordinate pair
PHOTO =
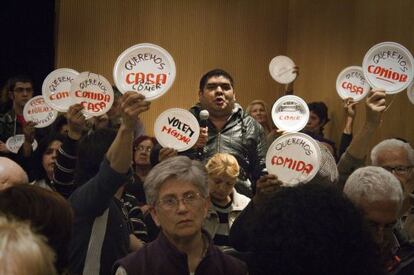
(177, 191)
(346, 137)
(258, 110)
(48, 213)
(11, 173)
(101, 233)
(142, 165)
(20, 90)
(226, 202)
(379, 195)
(318, 118)
(310, 229)
(22, 251)
(240, 232)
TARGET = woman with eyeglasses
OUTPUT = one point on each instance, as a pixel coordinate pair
(177, 191)
(141, 164)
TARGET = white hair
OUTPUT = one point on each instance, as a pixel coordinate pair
(391, 144)
(373, 183)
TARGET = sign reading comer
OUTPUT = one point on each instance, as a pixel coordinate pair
(145, 68)
(177, 128)
(294, 158)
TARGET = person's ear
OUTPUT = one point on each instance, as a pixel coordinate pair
(154, 215)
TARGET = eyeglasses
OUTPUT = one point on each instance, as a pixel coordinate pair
(376, 226)
(143, 148)
(21, 90)
(399, 170)
(213, 86)
(189, 199)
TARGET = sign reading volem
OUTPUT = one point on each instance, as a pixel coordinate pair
(177, 128)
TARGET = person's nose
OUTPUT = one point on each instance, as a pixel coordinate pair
(380, 235)
(181, 207)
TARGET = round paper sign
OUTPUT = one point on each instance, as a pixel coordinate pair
(94, 92)
(177, 128)
(294, 158)
(15, 142)
(351, 83)
(388, 66)
(145, 68)
(290, 113)
(37, 110)
(56, 89)
(281, 69)
(410, 92)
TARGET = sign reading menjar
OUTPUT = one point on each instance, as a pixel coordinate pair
(38, 111)
(177, 128)
(145, 68)
(56, 88)
(94, 92)
(388, 66)
(293, 158)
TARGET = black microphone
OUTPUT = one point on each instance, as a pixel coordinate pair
(204, 114)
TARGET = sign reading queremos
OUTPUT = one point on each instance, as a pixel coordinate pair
(38, 111)
(294, 158)
(56, 88)
(145, 68)
(94, 92)
(177, 128)
(290, 113)
(351, 83)
(388, 66)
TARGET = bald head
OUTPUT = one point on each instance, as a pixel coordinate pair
(11, 173)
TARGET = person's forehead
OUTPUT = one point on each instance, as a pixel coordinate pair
(146, 142)
(218, 79)
(23, 84)
(393, 157)
(380, 211)
(176, 187)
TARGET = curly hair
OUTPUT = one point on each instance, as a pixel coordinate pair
(311, 229)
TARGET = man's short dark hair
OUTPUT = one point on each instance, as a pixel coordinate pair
(11, 82)
(212, 73)
(311, 229)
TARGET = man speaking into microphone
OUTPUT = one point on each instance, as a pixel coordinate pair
(226, 128)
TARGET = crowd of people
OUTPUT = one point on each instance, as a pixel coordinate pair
(99, 196)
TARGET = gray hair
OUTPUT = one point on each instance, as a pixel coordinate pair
(180, 168)
(391, 144)
(373, 183)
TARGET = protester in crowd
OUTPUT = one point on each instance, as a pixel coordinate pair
(258, 110)
(310, 229)
(350, 113)
(48, 213)
(241, 231)
(226, 202)
(229, 130)
(379, 195)
(60, 125)
(177, 191)
(20, 90)
(318, 118)
(11, 173)
(101, 230)
(23, 251)
(141, 163)
(397, 157)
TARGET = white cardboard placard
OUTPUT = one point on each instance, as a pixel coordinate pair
(37, 110)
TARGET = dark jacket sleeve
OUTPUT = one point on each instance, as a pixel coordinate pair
(343, 145)
(92, 198)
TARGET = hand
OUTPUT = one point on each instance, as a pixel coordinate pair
(3, 148)
(131, 105)
(167, 153)
(289, 86)
(29, 132)
(375, 106)
(349, 106)
(266, 185)
(76, 121)
(202, 138)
